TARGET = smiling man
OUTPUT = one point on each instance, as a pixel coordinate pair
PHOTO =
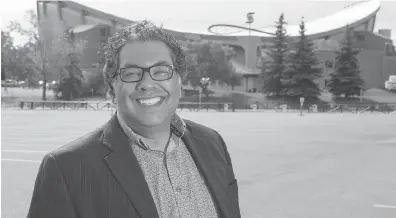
(146, 161)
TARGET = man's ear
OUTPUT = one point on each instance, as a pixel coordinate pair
(181, 86)
(179, 80)
(182, 92)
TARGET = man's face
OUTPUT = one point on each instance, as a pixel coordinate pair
(133, 102)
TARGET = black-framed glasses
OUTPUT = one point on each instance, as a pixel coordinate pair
(157, 73)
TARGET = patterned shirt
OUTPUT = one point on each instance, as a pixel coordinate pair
(177, 188)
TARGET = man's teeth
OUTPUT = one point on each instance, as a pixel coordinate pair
(150, 101)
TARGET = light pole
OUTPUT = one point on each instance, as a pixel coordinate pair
(204, 82)
(250, 19)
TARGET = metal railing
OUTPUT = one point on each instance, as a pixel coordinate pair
(275, 106)
(60, 105)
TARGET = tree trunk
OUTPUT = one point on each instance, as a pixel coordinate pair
(44, 97)
(44, 89)
(205, 91)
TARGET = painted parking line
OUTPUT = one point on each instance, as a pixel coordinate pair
(20, 160)
(384, 206)
(24, 151)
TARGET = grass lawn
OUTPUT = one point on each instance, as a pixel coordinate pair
(287, 166)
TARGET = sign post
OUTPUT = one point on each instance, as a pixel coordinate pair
(361, 95)
(301, 105)
(200, 96)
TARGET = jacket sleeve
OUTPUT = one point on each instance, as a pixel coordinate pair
(50, 196)
(227, 155)
(233, 192)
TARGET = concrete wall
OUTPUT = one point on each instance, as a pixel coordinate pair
(71, 17)
(94, 40)
(389, 66)
(370, 62)
(52, 15)
(369, 41)
(375, 67)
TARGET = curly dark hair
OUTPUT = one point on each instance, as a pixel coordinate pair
(140, 31)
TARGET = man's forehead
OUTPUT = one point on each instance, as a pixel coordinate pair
(147, 63)
(145, 53)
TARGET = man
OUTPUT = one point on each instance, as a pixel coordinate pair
(146, 161)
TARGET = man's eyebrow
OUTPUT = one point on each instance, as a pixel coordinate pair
(156, 64)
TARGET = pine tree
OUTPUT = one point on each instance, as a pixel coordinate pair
(272, 73)
(71, 81)
(346, 79)
(300, 77)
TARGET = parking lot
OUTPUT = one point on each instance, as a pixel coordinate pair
(287, 166)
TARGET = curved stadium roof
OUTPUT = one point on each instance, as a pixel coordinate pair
(353, 15)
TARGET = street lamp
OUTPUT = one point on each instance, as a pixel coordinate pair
(204, 82)
(250, 19)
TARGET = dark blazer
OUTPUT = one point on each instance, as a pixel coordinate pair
(98, 176)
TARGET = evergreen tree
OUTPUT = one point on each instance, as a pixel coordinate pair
(299, 80)
(346, 79)
(272, 73)
(71, 81)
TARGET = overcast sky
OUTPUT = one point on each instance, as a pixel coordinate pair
(197, 15)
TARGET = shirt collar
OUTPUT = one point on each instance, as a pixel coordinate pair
(178, 127)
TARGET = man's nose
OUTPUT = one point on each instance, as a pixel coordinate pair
(146, 82)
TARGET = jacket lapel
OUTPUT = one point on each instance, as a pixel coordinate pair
(125, 168)
(204, 159)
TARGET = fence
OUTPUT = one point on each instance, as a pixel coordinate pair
(60, 105)
(357, 108)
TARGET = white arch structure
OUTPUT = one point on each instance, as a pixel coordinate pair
(355, 15)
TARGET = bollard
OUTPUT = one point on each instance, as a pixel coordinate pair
(314, 108)
(254, 107)
(284, 107)
(225, 107)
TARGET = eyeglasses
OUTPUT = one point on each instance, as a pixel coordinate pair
(157, 73)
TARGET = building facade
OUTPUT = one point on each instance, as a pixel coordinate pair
(377, 57)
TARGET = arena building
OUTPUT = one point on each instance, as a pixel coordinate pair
(377, 57)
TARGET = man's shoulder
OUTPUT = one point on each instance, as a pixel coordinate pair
(204, 132)
(211, 137)
(199, 128)
(83, 146)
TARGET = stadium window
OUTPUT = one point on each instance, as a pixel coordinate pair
(102, 31)
(329, 64)
(360, 37)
